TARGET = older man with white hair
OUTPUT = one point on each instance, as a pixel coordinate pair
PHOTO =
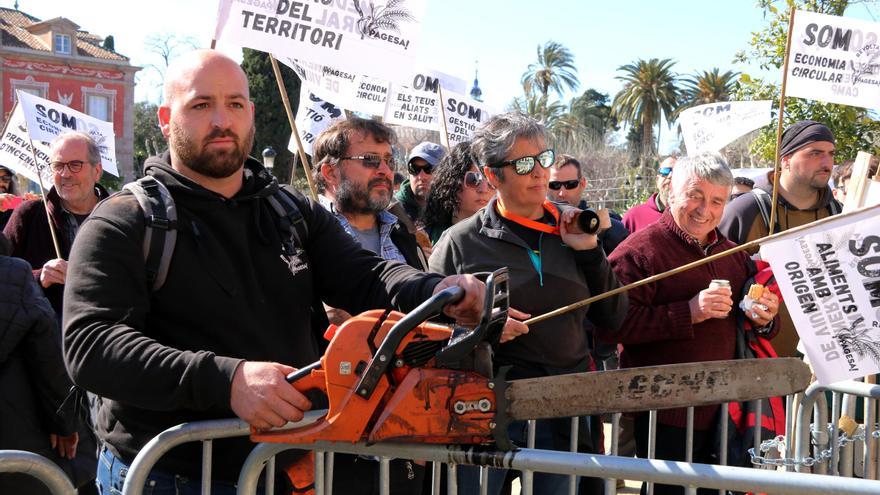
(691, 316)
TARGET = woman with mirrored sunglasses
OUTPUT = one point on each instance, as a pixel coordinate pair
(549, 265)
(458, 191)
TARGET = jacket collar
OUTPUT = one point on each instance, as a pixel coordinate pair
(765, 182)
(715, 236)
(493, 225)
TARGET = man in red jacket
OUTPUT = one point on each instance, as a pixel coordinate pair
(682, 318)
(640, 216)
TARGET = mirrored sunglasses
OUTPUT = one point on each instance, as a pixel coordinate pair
(525, 165)
(568, 184)
(664, 171)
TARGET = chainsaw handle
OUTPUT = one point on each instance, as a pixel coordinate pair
(382, 358)
(300, 377)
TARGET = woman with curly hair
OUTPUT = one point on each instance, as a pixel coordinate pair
(458, 190)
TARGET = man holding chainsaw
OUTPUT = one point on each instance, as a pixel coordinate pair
(216, 334)
(551, 264)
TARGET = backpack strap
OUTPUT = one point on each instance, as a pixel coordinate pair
(160, 234)
(765, 205)
(292, 226)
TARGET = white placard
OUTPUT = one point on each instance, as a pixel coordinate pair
(830, 281)
(47, 119)
(710, 127)
(313, 117)
(464, 116)
(377, 38)
(834, 59)
(15, 150)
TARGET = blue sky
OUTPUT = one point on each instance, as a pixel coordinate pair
(501, 34)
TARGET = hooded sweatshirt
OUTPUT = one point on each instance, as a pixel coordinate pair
(167, 357)
(742, 222)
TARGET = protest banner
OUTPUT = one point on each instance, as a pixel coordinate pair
(418, 105)
(710, 127)
(314, 117)
(378, 39)
(835, 59)
(46, 119)
(16, 153)
(830, 281)
(463, 116)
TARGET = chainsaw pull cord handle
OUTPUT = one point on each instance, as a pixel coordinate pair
(382, 359)
(303, 372)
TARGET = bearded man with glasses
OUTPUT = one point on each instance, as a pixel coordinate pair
(75, 161)
(551, 264)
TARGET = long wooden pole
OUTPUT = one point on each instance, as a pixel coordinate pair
(443, 116)
(52, 230)
(776, 162)
(694, 264)
(299, 146)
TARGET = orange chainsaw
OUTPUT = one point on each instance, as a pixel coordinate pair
(390, 376)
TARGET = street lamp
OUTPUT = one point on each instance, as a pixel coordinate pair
(269, 155)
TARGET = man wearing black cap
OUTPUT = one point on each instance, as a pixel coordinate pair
(807, 159)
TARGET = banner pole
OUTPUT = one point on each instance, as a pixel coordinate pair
(779, 123)
(694, 264)
(443, 115)
(43, 193)
(299, 146)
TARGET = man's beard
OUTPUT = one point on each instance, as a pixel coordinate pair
(214, 164)
(351, 198)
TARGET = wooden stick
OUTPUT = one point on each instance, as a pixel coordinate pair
(779, 124)
(302, 152)
(694, 264)
(52, 230)
(443, 116)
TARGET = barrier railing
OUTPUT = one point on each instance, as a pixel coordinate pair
(817, 433)
(37, 466)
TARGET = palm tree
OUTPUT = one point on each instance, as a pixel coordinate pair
(539, 107)
(708, 87)
(554, 70)
(592, 111)
(649, 93)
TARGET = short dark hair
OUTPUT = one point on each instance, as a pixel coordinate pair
(567, 160)
(331, 144)
(744, 181)
(398, 178)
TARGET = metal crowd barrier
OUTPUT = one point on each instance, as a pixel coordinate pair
(834, 453)
(528, 460)
(37, 466)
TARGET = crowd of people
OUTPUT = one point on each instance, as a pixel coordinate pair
(111, 340)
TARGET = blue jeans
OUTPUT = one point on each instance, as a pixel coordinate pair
(112, 472)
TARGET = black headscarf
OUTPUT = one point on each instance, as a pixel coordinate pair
(802, 133)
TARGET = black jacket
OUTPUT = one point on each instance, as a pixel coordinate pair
(164, 358)
(33, 380)
(484, 243)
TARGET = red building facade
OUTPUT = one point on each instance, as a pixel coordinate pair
(55, 60)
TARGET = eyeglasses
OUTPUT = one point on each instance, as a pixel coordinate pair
(568, 184)
(525, 165)
(475, 179)
(73, 165)
(416, 170)
(665, 171)
(372, 161)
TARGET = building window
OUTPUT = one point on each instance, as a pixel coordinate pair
(98, 102)
(62, 44)
(29, 85)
